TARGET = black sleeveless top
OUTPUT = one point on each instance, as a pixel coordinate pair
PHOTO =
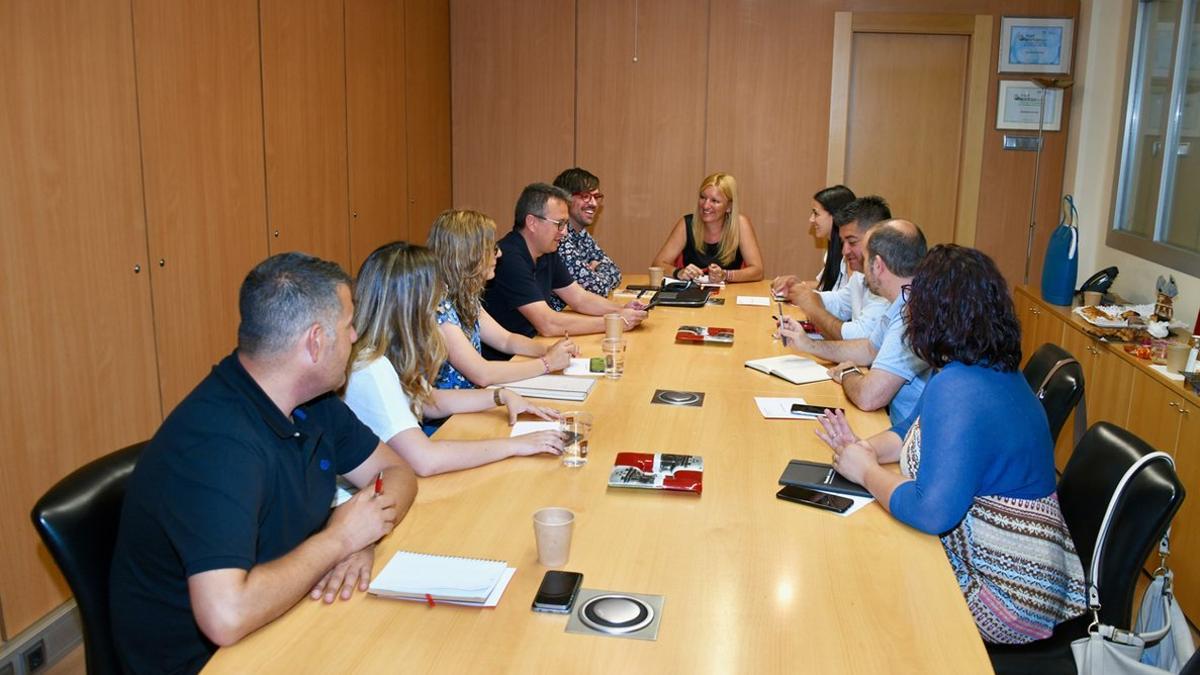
(693, 257)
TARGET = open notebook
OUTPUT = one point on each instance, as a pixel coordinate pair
(414, 576)
(794, 369)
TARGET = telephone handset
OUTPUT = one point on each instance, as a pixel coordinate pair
(1100, 281)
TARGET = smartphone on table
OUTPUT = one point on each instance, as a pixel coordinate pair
(557, 592)
(821, 500)
(812, 411)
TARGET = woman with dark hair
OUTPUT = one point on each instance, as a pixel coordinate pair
(834, 274)
(976, 459)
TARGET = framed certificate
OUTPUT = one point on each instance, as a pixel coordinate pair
(1036, 45)
(1018, 104)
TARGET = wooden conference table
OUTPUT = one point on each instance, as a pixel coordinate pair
(751, 583)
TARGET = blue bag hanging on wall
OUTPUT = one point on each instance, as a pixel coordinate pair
(1062, 257)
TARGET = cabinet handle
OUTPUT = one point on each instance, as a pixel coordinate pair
(1183, 410)
(1173, 404)
(162, 262)
(137, 269)
(276, 234)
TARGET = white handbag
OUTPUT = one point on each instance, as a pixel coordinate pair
(1160, 641)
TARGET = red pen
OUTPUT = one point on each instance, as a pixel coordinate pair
(378, 485)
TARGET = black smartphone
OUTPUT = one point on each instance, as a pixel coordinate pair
(806, 410)
(821, 500)
(557, 592)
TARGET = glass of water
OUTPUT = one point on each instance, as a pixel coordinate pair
(576, 428)
(614, 357)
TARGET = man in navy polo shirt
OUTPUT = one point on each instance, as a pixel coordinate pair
(227, 520)
(530, 272)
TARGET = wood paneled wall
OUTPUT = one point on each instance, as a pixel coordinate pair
(740, 86)
(200, 107)
(304, 123)
(513, 107)
(77, 341)
(142, 176)
(427, 65)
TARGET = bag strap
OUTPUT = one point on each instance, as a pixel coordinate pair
(1106, 523)
(1067, 214)
(1041, 390)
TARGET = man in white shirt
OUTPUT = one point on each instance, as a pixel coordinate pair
(853, 311)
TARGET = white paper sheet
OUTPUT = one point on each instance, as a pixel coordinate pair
(529, 427)
(581, 367)
(859, 502)
(755, 300)
(779, 408)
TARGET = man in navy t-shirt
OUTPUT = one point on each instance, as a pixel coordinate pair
(227, 520)
(530, 272)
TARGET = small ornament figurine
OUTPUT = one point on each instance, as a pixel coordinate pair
(1164, 307)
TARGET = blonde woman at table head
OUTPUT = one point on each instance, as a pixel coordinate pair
(716, 240)
(464, 244)
(397, 356)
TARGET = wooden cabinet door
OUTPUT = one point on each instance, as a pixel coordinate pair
(304, 121)
(1081, 347)
(78, 378)
(1154, 413)
(199, 100)
(1185, 529)
(1027, 310)
(1109, 387)
(376, 132)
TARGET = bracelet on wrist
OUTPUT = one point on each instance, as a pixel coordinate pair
(496, 398)
(545, 365)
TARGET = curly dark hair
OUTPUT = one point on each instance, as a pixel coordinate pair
(959, 309)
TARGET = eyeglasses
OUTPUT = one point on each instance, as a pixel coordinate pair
(905, 291)
(595, 195)
(560, 224)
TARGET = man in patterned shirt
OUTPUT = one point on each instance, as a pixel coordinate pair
(587, 262)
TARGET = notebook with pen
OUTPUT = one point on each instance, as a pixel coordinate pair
(425, 577)
(794, 369)
(817, 476)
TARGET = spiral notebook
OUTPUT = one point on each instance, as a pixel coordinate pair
(421, 576)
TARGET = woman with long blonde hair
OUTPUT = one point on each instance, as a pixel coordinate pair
(716, 241)
(397, 356)
(464, 243)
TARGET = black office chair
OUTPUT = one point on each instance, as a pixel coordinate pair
(1151, 499)
(77, 519)
(1057, 379)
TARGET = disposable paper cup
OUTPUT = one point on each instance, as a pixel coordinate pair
(656, 276)
(613, 325)
(552, 528)
(1177, 355)
(1092, 298)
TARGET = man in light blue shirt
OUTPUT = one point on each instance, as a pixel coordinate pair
(851, 312)
(897, 376)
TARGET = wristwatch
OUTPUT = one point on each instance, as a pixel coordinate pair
(496, 396)
(846, 371)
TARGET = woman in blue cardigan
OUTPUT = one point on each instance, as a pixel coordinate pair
(976, 458)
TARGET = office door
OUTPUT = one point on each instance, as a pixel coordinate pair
(906, 116)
